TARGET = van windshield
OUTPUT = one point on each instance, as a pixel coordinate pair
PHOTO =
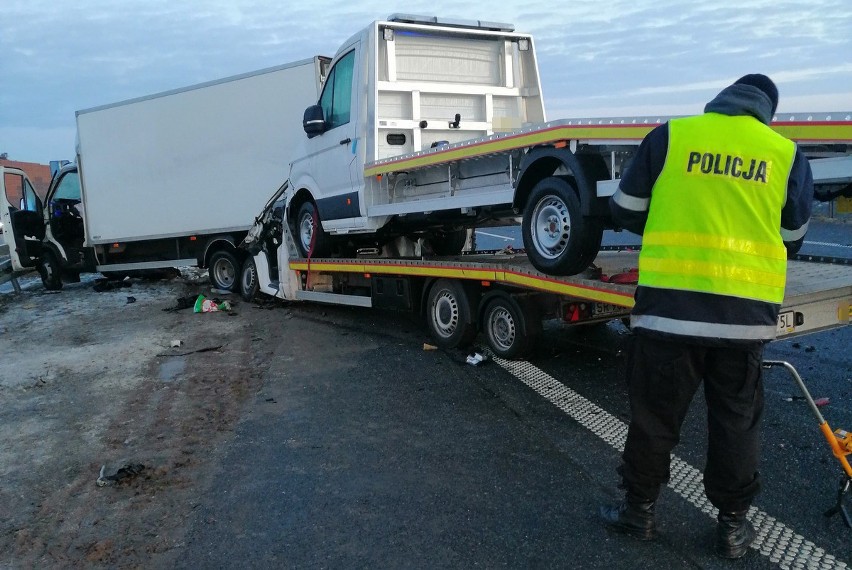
(69, 187)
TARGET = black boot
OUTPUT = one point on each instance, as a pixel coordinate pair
(734, 534)
(634, 517)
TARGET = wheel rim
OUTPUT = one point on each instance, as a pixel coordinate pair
(248, 278)
(502, 328)
(551, 227)
(445, 314)
(47, 265)
(225, 273)
(306, 231)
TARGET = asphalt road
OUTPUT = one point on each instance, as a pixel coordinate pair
(363, 450)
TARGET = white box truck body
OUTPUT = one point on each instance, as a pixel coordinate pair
(174, 178)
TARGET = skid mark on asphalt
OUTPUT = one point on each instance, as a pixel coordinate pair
(780, 544)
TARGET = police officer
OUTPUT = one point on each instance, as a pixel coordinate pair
(716, 197)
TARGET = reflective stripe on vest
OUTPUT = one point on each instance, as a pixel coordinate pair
(715, 215)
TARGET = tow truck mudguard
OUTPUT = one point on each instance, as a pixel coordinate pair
(543, 161)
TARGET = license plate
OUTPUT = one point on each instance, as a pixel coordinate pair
(606, 309)
(786, 322)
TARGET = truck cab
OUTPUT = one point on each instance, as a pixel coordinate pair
(401, 86)
(50, 235)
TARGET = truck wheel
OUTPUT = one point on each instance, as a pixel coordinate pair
(510, 325)
(51, 273)
(448, 242)
(311, 240)
(592, 247)
(557, 238)
(449, 315)
(223, 270)
(249, 283)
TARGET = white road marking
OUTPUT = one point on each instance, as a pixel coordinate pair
(774, 539)
(827, 244)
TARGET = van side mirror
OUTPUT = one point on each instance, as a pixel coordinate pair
(314, 122)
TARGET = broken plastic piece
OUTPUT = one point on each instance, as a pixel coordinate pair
(205, 305)
(821, 401)
(176, 343)
(475, 358)
(427, 346)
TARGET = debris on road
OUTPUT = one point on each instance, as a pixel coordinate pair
(475, 358)
(124, 474)
(182, 303)
(205, 349)
(205, 305)
(102, 285)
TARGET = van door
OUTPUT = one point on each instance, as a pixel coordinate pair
(21, 211)
(333, 152)
(66, 212)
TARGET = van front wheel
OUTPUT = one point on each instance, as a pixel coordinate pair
(311, 240)
(249, 283)
(51, 273)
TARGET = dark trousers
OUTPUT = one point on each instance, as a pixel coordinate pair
(663, 376)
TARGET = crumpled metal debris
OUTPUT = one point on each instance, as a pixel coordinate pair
(129, 471)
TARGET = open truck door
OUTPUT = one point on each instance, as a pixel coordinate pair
(22, 214)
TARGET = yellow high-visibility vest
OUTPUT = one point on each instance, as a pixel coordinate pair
(715, 215)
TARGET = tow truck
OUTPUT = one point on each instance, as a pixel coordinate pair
(498, 293)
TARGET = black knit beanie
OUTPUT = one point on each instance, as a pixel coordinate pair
(764, 84)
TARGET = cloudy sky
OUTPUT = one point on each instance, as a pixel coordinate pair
(597, 59)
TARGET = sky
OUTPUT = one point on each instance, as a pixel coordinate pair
(611, 58)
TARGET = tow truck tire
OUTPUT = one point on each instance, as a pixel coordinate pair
(309, 227)
(223, 270)
(51, 273)
(558, 240)
(448, 242)
(449, 314)
(511, 325)
(249, 283)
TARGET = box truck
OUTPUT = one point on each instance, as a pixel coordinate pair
(168, 180)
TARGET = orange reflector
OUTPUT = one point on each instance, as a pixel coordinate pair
(367, 276)
(379, 177)
(116, 245)
(349, 201)
(485, 283)
(192, 238)
(560, 144)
